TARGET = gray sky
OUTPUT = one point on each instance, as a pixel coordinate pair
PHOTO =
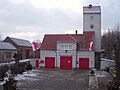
(31, 19)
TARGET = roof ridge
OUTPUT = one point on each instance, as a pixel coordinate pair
(62, 34)
(18, 38)
(20, 42)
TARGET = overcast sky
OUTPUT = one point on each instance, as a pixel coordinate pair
(32, 19)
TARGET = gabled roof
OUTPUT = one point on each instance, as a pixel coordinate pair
(50, 40)
(6, 46)
(20, 42)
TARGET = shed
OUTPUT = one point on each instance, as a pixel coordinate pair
(24, 47)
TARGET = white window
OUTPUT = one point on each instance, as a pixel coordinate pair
(66, 47)
(70, 47)
(62, 47)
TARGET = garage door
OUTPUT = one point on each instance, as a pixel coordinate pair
(49, 62)
(83, 63)
(66, 62)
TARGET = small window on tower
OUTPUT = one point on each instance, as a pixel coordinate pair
(91, 26)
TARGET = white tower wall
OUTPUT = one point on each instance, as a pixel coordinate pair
(92, 22)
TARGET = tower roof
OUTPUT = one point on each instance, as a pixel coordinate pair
(91, 9)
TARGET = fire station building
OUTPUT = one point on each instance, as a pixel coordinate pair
(68, 51)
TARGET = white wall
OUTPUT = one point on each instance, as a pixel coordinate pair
(68, 53)
(86, 54)
(47, 53)
(75, 56)
(107, 63)
(96, 13)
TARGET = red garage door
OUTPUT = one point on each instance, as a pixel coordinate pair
(50, 62)
(83, 63)
(66, 62)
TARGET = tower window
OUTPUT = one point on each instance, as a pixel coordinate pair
(91, 26)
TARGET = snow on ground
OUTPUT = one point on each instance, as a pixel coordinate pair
(2, 82)
(28, 75)
(31, 75)
(93, 82)
(13, 62)
(101, 73)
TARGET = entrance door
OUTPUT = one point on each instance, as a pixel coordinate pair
(66, 62)
(50, 62)
(83, 63)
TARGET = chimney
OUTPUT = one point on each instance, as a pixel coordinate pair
(76, 32)
(90, 5)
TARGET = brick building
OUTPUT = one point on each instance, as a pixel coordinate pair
(24, 47)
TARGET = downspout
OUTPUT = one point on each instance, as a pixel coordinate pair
(56, 58)
(76, 47)
(76, 54)
(76, 59)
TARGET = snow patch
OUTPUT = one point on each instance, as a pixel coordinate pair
(101, 73)
(2, 82)
(29, 75)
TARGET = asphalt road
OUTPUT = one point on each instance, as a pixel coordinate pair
(56, 79)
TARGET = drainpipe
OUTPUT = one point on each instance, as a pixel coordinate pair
(76, 59)
(56, 58)
(76, 55)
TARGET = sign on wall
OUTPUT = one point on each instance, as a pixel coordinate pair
(66, 54)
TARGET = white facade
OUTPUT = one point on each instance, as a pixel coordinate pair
(47, 53)
(76, 55)
(87, 54)
(68, 50)
(92, 22)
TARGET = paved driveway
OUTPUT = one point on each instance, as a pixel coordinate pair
(55, 79)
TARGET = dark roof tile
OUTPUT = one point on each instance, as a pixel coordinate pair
(21, 42)
(6, 46)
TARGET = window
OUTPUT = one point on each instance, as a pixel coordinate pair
(91, 17)
(62, 47)
(91, 26)
(70, 47)
(8, 55)
(1, 55)
(66, 47)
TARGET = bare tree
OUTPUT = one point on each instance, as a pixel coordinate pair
(111, 44)
(36, 48)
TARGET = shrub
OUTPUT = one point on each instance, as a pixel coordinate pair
(11, 84)
(29, 67)
(3, 70)
(17, 69)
